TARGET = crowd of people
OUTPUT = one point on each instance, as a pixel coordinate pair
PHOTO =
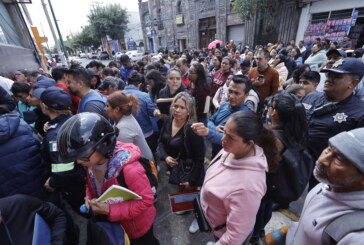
(277, 117)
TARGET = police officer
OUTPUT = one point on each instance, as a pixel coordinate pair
(65, 176)
(336, 109)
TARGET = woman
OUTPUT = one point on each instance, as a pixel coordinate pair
(296, 55)
(216, 65)
(288, 117)
(21, 76)
(118, 108)
(273, 54)
(235, 175)
(174, 86)
(250, 56)
(155, 82)
(280, 66)
(90, 140)
(221, 75)
(200, 90)
(317, 58)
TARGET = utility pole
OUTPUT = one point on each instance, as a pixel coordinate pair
(64, 62)
(59, 33)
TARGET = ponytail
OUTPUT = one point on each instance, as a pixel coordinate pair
(133, 103)
(268, 142)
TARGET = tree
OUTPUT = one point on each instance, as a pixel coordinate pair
(86, 38)
(110, 20)
(248, 8)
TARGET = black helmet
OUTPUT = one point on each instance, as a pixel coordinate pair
(83, 133)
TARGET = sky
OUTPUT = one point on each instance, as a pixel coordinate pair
(71, 14)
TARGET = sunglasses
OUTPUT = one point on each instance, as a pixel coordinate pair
(87, 159)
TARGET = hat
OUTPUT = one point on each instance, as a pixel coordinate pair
(56, 98)
(38, 92)
(339, 52)
(351, 145)
(347, 66)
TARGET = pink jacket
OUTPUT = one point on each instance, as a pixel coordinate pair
(136, 216)
(231, 194)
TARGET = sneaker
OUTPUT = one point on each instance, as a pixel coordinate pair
(181, 212)
(210, 243)
(168, 173)
(194, 226)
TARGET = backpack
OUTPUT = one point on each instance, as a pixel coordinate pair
(150, 171)
(91, 98)
(341, 226)
(295, 168)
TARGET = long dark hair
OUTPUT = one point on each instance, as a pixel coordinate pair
(292, 115)
(201, 77)
(298, 53)
(159, 81)
(249, 126)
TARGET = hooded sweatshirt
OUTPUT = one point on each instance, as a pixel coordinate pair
(231, 194)
(321, 208)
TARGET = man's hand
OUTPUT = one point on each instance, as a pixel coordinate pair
(48, 187)
(186, 186)
(220, 129)
(258, 81)
(171, 161)
(200, 129)
(156, 113)
(99, 207)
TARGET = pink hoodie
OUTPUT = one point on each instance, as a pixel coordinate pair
(231, 194)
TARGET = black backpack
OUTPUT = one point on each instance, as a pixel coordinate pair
(148, 171)
(295, 168)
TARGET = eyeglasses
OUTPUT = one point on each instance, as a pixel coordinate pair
(87, 159)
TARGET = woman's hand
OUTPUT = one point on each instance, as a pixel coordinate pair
(200, 129)
(171, 161)
(99, 207)
(220, 129)
(48, 187)
(186, 186)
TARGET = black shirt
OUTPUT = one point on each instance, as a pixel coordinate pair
(345, 115)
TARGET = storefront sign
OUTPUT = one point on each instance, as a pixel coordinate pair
(354, 17)
(179, 19)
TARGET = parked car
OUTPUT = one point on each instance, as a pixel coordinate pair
(92, 56)
(82, 55)
(104, 55)
(117, 55)
(135, 55)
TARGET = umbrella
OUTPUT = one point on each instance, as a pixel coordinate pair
(213, 44)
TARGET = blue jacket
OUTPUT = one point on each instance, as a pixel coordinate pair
(22, 168)
(124, 72)
(146, 109)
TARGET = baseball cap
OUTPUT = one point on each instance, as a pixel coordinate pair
(38, 92)
(56, 98)
(351, 145)
(339, 52)
(347, 66)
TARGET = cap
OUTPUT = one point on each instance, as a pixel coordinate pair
(351, 145)
(56, 98)
(44, 83)
(347, 66)
(38, 92)
(339, 52)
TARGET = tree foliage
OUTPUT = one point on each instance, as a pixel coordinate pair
(109, 20)
(248, 8)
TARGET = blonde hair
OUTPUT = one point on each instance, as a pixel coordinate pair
(190, 104)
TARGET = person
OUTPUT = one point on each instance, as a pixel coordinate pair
(296, 55)
(238, 91)
(94, 66)
(79, 84)
(112, 72)
(22, 76)
(147, 110)
(20, 93)
(336, 109)
(95, 79)
(221, 75)
(297, 90)
(6, 100)
(64, 177)
(90, 140)
(317, 57)
(265, 79)
(38, 80)
(244, 67)
(177, 141)
(216, 65)
(273, 53)
(295, 79)
(59, 74)
(181, 64)
(127, 67)
(119, 108)
(235, 175)
(155, 82)
(288, 118)
(345, 44)
(21, 211)
(281, 68)
(6, 84)
(250, 56)
(301, 46)
(22, 168)
(309, 81)
(221, 95)
(109, 85)
(340, 171)
(200, 90)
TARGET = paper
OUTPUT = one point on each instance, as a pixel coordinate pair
(207, 104)
(116, 194)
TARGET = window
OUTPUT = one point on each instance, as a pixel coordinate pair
(179, 7)
(8, 34)
(159, 20)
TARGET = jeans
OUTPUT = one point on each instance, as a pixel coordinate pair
(263, 216)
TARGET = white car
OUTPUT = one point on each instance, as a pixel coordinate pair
(117, 55)
(135, 55)
(82, 55)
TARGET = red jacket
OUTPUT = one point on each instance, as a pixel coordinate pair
(136, 216)
(75, 99)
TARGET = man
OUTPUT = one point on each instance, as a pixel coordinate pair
(301, 46)
(345, 44)
(309, 81)
(317, 57)
(94, 66)
(333, 55)
(182, 65)
(238, 91)
(336, 109)
(110, 85)
(340, 169)
(79, 84)
(60, 75)
(20, 93)
(38, 80)
(147, 110)
(127, 67)
(265, 79)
